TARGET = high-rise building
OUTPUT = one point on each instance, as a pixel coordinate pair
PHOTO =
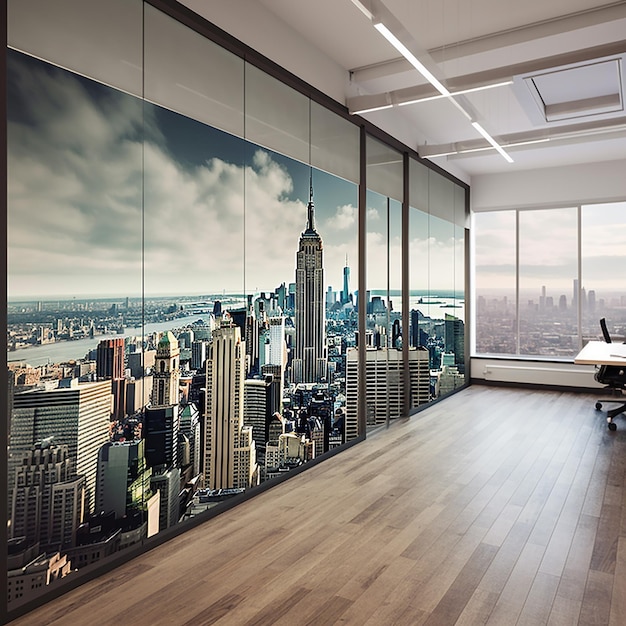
(345, 292)
(228, 448)
(110, 359)
(48, 498)
(385, 386)
(123, 483)
(167, 482)
(454, 339)
(310, 359)
(76, 415)
(256, 408)
(110, 366)
(198, 354)
(190, 451)
(160, 431)
(166, 371)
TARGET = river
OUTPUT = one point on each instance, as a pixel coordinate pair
(62, 351)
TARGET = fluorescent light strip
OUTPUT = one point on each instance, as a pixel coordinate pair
(382, 107)
(421, 68)
(361, 7)
(411, 58)
(492, 141)
(457, 93)
(484, 148)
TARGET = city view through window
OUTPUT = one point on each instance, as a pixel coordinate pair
(556, 307)
(182, 319)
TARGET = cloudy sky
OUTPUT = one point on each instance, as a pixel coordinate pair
(91, 168)
(548, 249)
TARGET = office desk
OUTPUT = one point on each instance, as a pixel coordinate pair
(602, 353)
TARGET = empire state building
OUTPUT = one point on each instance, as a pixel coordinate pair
(310, 360)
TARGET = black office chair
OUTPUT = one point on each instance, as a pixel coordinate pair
(614, 377)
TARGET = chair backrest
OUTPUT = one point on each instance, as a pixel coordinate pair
(605, 332)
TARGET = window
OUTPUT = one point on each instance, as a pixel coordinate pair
(544, 277)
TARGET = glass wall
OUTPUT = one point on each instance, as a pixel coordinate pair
(182, 311)
(383, 337)
(544, 278)
(437, 279)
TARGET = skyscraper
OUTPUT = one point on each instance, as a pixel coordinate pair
(454, 339)
(230, 460)
(110, 359)
(310, 359)
(166, 371)
(385, 384)
(123, 478)
(48, 498)
(345, 293)
(76, 415)
(110, 365)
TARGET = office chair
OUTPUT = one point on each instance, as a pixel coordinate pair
(614, 377)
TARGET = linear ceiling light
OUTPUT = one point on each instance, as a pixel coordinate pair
(504, 83)
(492, 141)
(386, 32)
(361, 7)
(411, 58)
(382, 107)
(483, 148)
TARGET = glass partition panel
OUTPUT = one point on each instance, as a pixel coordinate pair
(75, 200)
(437, 280)
(445, 327)
(334, 143)
(101, 40)
(276, 116)
(301, 226)
(458, 309)
(548, 282)
(603, 292)
(187, 73)
(383, 340)
(420, 330)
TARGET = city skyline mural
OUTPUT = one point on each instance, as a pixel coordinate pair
(182, 317)
(165, 305)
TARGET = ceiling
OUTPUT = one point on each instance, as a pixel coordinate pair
(563, 62)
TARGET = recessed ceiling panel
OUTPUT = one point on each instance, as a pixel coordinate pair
(594, 88)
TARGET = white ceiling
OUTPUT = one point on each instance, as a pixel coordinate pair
(465, 43)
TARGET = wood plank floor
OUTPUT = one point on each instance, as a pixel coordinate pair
(495, 506)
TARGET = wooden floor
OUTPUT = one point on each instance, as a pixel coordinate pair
(495, 506)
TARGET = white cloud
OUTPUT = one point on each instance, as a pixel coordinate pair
(344, 218)
(86, 176)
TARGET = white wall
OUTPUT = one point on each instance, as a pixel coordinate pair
(588, 183)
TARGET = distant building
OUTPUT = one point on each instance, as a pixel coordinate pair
(448, 379)
(30, 571)
(123, 484)
(230, 456)
(161, 427)
(310, 358)
(110, 359)
(166, 371)
(76, 415)
(167, 482)
(385, 387)
(454, 339)
(48, 498)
